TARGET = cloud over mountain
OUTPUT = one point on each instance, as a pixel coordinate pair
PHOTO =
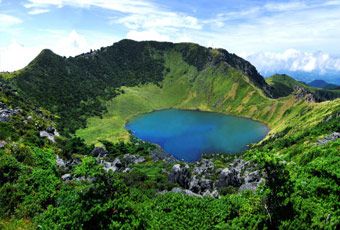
(293, 60)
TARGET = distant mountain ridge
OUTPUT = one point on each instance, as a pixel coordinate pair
(283, 85)
(323, 84)
(330, 77)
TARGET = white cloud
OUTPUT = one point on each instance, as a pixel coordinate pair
(71, 45)
(36, 11)
(159, 20)
(142, 17)
(294, 60)
(126, 6)
(16, 56)
(277, 26)
(146, 35)
(299, 5)
(7, 21)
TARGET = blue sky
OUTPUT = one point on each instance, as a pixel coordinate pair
(294, 35)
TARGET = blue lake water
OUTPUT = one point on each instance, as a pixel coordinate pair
(188, 134)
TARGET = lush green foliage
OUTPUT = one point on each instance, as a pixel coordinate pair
(301, 184)
(76, 88)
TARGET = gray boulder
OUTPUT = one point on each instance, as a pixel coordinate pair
(180, 175)
(203, 167)
(158, 154)
(6, 113)
(185, 192)
(213, 193)
(229, 177)
(72, 162)
(66, 177)
(98, 152)
(2, 144)
(301, 93)
(251, 181)
(50, 133)
(113, 166)
(133, 159)
(331, 137)
(200, 185)
(60, 162)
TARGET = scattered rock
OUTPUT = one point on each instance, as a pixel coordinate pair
(83, 178)
(133, 159)
(126, 170)
(50, 133)
(332, 137)
(114, 166)
(185, 191)
(6, 113)
(158, 154)
(66, 177)
(98, 152)
(60, 162)
(303, 94)
(229, 177)
(204, 166)
(213, 193)
(180, 175)
(253, 177)
(2, 144)
(201, 180)
(251, 181)
(200, 186)
(73, 162)
(50, 130)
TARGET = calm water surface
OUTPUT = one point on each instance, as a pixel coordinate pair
(188, 134)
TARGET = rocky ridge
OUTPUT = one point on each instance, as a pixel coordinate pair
(205, 179)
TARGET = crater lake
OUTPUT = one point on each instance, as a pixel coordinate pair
(188, 134)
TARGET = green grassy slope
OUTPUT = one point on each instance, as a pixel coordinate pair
(219, 89)
(301, 184)
(73, 88)
(283, 85)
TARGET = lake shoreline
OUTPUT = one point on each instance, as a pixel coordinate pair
(246, 131)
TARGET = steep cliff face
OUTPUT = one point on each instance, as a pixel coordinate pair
(245, 67)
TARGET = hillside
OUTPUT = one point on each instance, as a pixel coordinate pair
(218, 88)
(74, 87)
(284, 85)
(96, 175)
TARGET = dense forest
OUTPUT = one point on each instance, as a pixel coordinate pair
(61, 181)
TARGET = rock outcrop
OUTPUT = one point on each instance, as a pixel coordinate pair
(331, 137)
(158, 154)
(180, 175)
(98, 152)
(6, 113)
(205, 180)
(50, 133)
(2, 144)
(113, 166)
(230, 177)
(301, 93)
